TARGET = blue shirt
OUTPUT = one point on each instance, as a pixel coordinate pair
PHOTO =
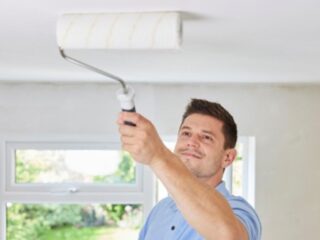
(165, 222)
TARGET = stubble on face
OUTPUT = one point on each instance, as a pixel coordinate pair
(202, 159)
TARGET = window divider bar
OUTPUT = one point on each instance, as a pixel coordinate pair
(2, 220)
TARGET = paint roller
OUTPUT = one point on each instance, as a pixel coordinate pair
(148, 31)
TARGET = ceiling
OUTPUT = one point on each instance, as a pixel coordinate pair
(223, 41)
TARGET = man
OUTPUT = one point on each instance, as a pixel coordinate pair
(199, 206)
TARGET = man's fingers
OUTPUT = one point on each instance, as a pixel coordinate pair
(137, 140)
(129, 117)
(126, 130)
(128, 140)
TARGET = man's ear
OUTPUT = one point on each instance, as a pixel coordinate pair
(230, 156)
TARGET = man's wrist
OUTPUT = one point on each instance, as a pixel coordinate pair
(161, 159)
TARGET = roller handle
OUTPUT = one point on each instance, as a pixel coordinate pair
(128, 122)
(127, 102)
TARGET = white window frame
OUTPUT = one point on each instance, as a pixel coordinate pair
(140, 193)
(249, 169)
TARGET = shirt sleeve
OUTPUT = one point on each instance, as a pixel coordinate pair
(150, 218)
(248, 216)
(143, 231)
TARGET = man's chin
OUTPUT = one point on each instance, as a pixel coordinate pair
(185, 159)
(190, 162)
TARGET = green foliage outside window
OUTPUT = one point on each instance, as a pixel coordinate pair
(125, 173)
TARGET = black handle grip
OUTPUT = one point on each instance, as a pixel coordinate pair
(128, 122)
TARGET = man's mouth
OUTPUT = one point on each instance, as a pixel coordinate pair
(191, 154)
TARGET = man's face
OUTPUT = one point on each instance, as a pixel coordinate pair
(200, 146)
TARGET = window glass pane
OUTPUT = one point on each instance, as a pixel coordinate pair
(237, 172)
(81, 166)
(73, 222)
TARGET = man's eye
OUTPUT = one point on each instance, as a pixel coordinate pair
(185, 134)
(208, 138)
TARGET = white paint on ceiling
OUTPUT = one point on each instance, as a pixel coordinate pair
(223, 41)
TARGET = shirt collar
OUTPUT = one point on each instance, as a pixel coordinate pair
(221, 188)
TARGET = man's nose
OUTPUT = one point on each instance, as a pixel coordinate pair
(193, 141)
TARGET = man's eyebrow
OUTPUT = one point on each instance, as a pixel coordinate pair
(210, 133)
(204, 131)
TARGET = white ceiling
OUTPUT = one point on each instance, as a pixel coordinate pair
(223, 41)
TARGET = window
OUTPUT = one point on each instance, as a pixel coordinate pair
(71, 190)
(55, 167)
(240, 176)
(33, 166)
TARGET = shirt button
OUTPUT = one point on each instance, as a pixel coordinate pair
(173, 227)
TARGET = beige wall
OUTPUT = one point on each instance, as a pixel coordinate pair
(284, 119)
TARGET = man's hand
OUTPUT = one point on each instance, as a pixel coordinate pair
(141, 141)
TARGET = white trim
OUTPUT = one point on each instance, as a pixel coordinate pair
(245, 166)
(2, 222)
(251, 181)
(227, 177)
(248, 168)
(85, 198)
(2, 192)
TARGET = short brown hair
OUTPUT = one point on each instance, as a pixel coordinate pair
(215, 110)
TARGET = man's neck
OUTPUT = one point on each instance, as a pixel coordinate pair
(212, 181)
